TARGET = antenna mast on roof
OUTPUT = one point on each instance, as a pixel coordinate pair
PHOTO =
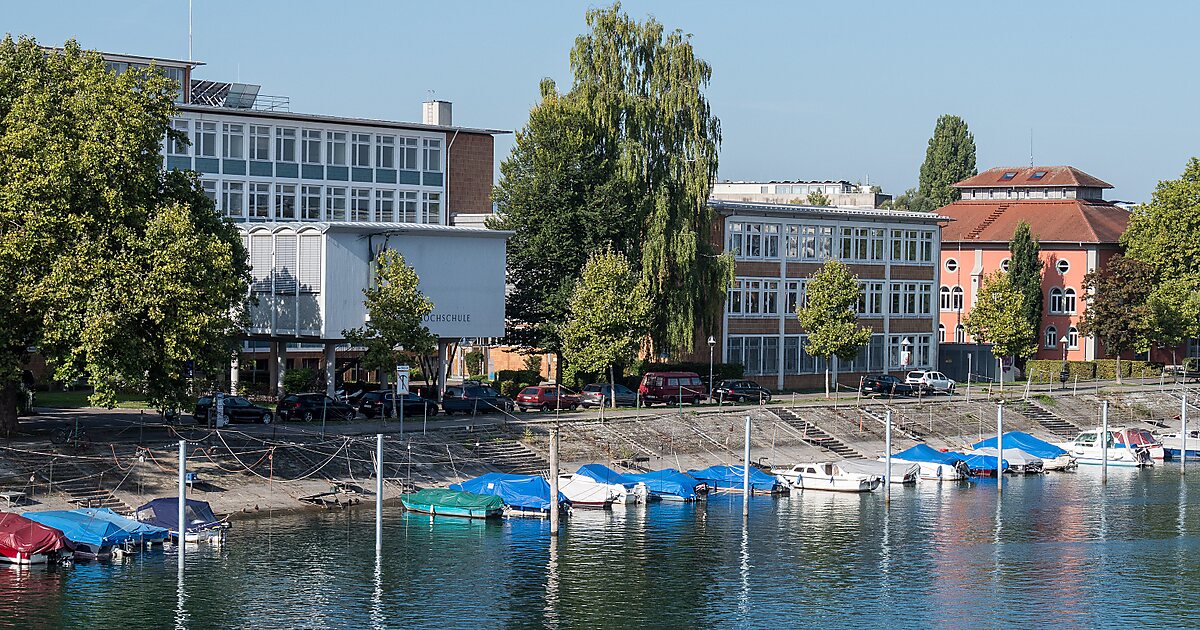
(1031, 147)
(189, 30)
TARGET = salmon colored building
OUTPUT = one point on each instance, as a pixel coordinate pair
(1078, 230)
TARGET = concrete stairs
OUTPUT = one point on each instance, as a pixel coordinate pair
(83, 487)
(1049, 420)
(816, 436)
(498, 451)
(905, 428)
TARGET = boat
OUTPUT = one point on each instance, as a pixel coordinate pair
(139, 533)
(669, 484)
(24, 541)
(1141, 438)
(1121, 450)
(90, 537)
(1053, 457)
(1016, 460)
(935, 465)
(901, 473)
(523, 495)
(983, 465)
(731, 479)
(1172, 444)
(584, 492)
(445, 502)
(629, 491)
(827, 476)
(200, 524)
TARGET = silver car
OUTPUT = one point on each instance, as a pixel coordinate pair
(931, 381)
(601, 394)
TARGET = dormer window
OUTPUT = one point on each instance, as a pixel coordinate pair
(1009, 175)
(1037, 175)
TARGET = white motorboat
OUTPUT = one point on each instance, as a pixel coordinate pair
(1172, 444)
(586, 492)
(827, 476)
(1018, 460)
(901, 473)
(1121, 448)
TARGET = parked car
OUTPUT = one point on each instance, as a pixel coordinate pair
(601, 395)
(474, 399)
(236, 408)
(672, 388)
(547, 398)
(931, 381)
(887, 385)
(382, 402)
(741, 391)
(309, 407)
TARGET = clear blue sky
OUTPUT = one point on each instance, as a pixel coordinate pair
(838, 90)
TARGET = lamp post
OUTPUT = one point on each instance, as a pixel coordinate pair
(905, 354)
(1064, 373)
(712, 344)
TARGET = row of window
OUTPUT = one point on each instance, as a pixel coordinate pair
(1062, 265)
(759, 297)
(822, 242)
(265, 143)
(1062, 301)
(761, 354)
(1025, 193)
(265, 201)
(1051, 340)
(805, 189)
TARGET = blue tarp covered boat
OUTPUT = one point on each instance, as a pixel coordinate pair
(935, 465)
(90, 536)
(730, 478)
(671, 485)
(1027, 443)
(138, 531)
(982, 465)
(523, 494)
(201, 525)
(604, 474)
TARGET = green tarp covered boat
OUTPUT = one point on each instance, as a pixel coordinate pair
(443, 502)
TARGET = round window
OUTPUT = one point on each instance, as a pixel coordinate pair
(1004, 265)
(1063, 265)
(951, 265)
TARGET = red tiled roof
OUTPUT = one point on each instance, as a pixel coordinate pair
(1054, 176)
(1052, 220)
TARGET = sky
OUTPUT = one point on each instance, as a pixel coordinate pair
(804, 90)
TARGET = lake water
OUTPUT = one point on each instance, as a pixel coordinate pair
(1055, 549)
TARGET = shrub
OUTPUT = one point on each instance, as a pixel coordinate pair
(516, 380)
(509, 388)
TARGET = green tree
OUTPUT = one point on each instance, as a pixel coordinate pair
(644, 88)
(474, 361)
(1174, 314)
(610, 310)
(395, 309)
(830, 315)
(998, 318)
(559, 194)
(116, 271)
(949, 159)
(818, 198)
(533, 363)
(911, 201)
(1165, 233)
(1117, 312)
(1025, 273)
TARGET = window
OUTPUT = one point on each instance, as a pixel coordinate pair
(754, 297)
(285, 202)
(1068, 300)
(178, 146)
(206, 139)
(260, 201)
(1063, 266)
(1004, 265)
(432, 158)
(310, 201)
(870, 302)
(431, 207)
(956, 298)
(1008, 175)
(753, 240)
(311, 148)
(912, 246)
(1037, 175)
(360, 152)
(335, 148)
(944, 298)
(865, 244)
(1051, 340)
(360, 205)
(734, 241)
(941, 333)
(763, 189)
(335, 203)
(919, 348)
(385, 205)
(233, 200)
(233, 146)
(770, 241)
(793, 295)
(1056, 300)
(960, 334)
(1072, 338)
(408, 154)
(210, 190)
(285, 144)
(951, 265)
(385, 151)
(260, 143)
(408, 206)
(911, 298)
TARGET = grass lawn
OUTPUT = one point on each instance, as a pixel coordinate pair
(78, 399)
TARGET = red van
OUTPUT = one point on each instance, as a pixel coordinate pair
(672, 388)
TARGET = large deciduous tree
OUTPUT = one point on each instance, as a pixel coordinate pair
(998, 318)
(829, 315)
(395, 311)
(1117, 312)
(644, 88)
(1173, 311)
(1025, 273)
(949, 159)
(114, 270)
(1165, 233)
(910, 200)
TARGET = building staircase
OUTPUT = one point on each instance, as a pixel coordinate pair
(498, 451)
(903, 427)
(816, 436)
(1049, 420)
(991, 218)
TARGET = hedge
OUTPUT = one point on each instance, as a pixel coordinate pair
(511, 382)
(1045, 371)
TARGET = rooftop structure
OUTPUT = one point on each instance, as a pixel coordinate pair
(840, 193)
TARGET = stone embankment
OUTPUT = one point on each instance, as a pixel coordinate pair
(254, 468)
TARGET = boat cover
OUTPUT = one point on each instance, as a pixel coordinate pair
(977, 461)
(454, 498)
(868, 467)
(19, 534)
(1015, 456)
(82, 528)
(164, 512)
(1025, 442)
(530, 492)
(668, 481)
(927, 454)
(580, 490)
(137, 530)
(730, 478)
(604, 474)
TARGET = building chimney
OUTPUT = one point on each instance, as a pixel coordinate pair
(436, 113)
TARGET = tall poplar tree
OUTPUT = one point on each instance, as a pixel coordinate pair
(644, 88)
(949, 159)
(1025, 273)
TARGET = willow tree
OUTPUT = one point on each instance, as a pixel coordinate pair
(644, 87)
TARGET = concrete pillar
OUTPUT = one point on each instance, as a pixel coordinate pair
(330, 367)
(234, 364)
(273, 375)
(443, 364)
(279, 360)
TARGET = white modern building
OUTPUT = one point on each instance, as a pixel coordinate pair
(840, 193)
